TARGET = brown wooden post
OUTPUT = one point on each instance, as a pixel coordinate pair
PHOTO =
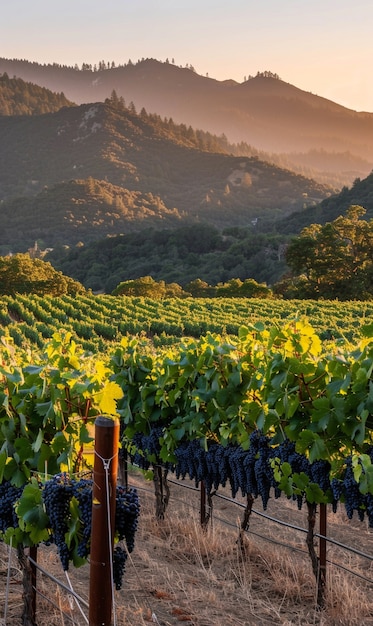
(105, 472)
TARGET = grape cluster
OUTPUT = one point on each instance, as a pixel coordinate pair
(247, 471)
(353, 498)
(250, 471)
(82, 491)
(9, 494)
(119, 564)
(146, 445)
(57, 494)
(336, 486)
(236, 469)
(286, 453)
(320, 474)
(346, 489)
(127, 513)
(216, 466)
(191, 461)
(263, 470)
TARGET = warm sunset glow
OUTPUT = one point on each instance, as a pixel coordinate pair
(322, 47)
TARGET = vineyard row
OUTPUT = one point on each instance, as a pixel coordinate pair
(96, 320)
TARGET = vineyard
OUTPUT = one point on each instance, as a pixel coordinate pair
(96, 320)
(266, 399)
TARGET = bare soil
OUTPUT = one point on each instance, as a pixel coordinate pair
(179, 573)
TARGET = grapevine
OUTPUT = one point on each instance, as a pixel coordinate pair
(68, 507)
(271, 411)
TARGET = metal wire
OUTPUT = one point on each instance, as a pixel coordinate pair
(287, 525)
(234, 502)
(59, 583)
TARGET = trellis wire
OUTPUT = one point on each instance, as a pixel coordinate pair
(287, 525)
(60, 583)
(270, 518)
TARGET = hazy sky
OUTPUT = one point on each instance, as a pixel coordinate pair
(322, 46)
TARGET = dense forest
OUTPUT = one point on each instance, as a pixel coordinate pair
(330, 261)
(21, 274)
(333, 260)
(178, 255)
(18, 97)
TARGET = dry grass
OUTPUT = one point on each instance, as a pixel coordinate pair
(181, 574)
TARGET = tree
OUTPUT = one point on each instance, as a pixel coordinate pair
(235, 288)
(21, 274)
(145, 286)
(334, 260)
(114, 97)
(200, 289)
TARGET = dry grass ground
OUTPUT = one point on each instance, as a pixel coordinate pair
(181, 574)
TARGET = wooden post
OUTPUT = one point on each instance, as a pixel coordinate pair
(105, 472)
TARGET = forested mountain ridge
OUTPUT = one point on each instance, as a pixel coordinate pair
(131, 171)
(18, 97)
(263, 111)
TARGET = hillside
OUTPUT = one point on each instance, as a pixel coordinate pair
(85, 172)
(360, 193)
(264, 111)
(201, 251)
(18, 97)
(179, 255)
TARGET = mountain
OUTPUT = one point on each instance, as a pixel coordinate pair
(90, 171)
(264, 111)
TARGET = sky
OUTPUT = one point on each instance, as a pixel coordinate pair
(322, 46)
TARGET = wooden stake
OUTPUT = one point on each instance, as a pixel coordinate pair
(103, 509)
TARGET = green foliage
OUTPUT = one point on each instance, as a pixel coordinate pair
(332, 261)
(46, 403)
(182, 255)
(95, 321)
(32, 519)
(22, 274)
(280, 380)
(147, 287)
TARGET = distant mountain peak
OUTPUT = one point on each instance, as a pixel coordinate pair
(264, 111)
